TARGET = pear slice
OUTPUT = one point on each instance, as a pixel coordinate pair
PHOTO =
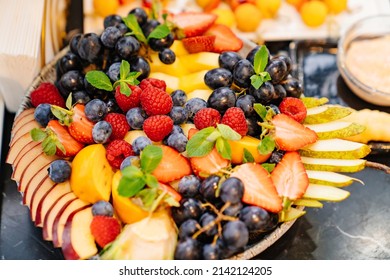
(291, 214)
(311, 102)
(334, 165)
(308, 203)
(335, 148)
(326, 113)
(336, 129)
(326, 193)
(330, 178)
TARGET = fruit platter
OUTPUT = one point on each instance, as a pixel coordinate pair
(167, 136)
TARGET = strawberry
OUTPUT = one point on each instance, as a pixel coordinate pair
(225, 39)
(153, 82)
(80, 127)
(105, 229)
(294, 108)
(155, 101)
(291, 135)
(206, 117)
(259, 190)
(117, 151)
(56, 140)
(170, 191)
(173, 166)
(194, 23)
(119, 125)
(290, 177)
(157, 127)
(127, 102)
(235, 118)
(47, 93)
(199, 44)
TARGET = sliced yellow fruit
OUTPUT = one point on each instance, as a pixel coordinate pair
(175, 69)
(326, 193)
(193, 81)
(172, 82)
(336, 129)
(200, 61)
(200, 93)
(308, 203)
(178, 48)
(330, 178)
(334, 165)
(326, 113)
(250, 144)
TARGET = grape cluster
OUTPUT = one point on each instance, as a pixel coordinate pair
(213, 221)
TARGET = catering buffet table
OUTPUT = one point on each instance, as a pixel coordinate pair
(357, 228)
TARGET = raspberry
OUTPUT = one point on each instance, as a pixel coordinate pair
(153, 82)
(294, 108)
(47, 93)
(119, 125)
(207, 117)
(235, 118)
(117, 151)
(155, 101)
(127, 102)
(105, 229)
(157, 127)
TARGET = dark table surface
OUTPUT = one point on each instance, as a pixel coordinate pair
(357, 228)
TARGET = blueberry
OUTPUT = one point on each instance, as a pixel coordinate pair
(167, 56)
(80, 96)
(189, 186)
(140, 143)
(235, 234)
(59, 170)
(101, 132)
(110, 36)
(160, 44)
(102, 208)
(95, 110)
(221, 99)
(228, 59)
(188, 249)
(135, 118)
(43, 114)
(194, 105)
(178, 114)
(232, 190)
(139, 64)
(255, 218)
(245, 102)
(112, 20)
(127, 47)
(114, 71)
(140, 15)
(130, 161)
(177, 129)
(90, 47)
(242, 72)
(177, 141)
(218, 77)
(179, 97)
(112, 106)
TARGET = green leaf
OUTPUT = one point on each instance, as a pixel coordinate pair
(260, 110)
(48, 146)
(68, 103)
(60, 146)
(99, 79)
(266, 146)
(256, 81)
(125, 89)
(247, 156)
(37, 134)
(260, 60)
(198, 145)
(60, 114)
(268, 166)
(132, 23)
(228, 133)
(265, 76)
(214, 136)
(132, 78)
(150, 158)
(129, 187)
(151, 181)
(148, 196)
(224, 148)
(124, 69)
(161, 31)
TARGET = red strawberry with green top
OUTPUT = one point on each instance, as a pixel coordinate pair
(290, 177)
(291, 135)
(225, 39)
(105, 229)
(259, 190)
(127, 102)
(47, 93)
(80, 127)
(199, 44)
(294, 108)
(194, 23)
(172, 166)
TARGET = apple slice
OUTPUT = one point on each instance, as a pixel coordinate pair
(334, 165)
(17, 146)
(27, 127)
(336, 129)
(19, 124)
(48, 200)
(335, 148)
(37, 195)
(291, 214)
(77, 239)
(25, 113)
(24, 150)
(327, 193)
(311, 102)
(61, 218)
(330, 178)
(58, 207)
(28, 188)
(40, 163)
(25, 161)
(326, 113)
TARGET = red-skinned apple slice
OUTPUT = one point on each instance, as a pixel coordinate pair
(61, 218)
(37, 195)
(23, 130)
(24, 114)
(39, 165)
(17, 126)
(25, 161)
(35, 181)
(17, 146)
(49, 199)
(77, 239)
(55, 209)
(24, 150)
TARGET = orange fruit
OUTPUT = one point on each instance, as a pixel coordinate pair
(313, 13)
(248, 17)
(105, 7)
(336, 6)
(268, 8)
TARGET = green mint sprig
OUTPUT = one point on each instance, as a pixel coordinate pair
(100, 80)
(49, 139)
(259, 64)
(206, 139)
(267, 144)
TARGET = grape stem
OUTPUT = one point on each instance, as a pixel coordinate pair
(379, 166)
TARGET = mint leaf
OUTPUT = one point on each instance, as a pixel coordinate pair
(260, 60)
(132, 181)
(256, 81)
(151, 181)
(266, 146)
(37, 134)
(198, 145)
(260, 110)
(124, 69)
(68, 103)
(147, 196)
(99, 79)
(161, 31)
(132, 23)
(125, 89)
(247, 156)
(228, 133)
(48, 146)
(268, 166)
(265, 76)
(150, 158)
(224, 148)
(132, 78)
